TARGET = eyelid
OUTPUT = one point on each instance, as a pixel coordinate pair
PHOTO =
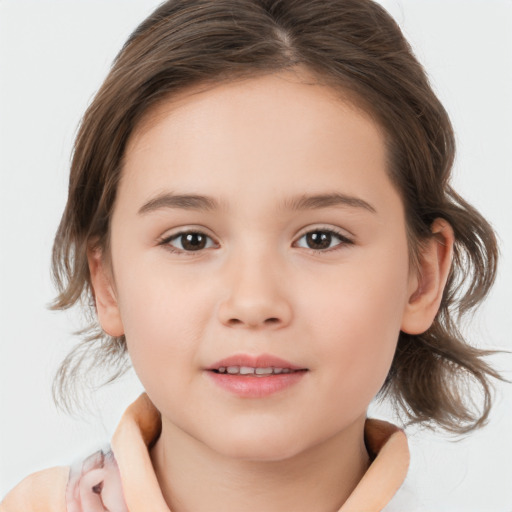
(344, 238)
(342, 233)
(166, 239)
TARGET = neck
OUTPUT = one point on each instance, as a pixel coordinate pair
(193, 477)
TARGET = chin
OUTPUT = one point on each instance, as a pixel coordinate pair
(258, 446)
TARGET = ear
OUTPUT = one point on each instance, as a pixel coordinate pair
(427, 284)
(107, 308)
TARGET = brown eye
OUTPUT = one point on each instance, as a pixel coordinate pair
(189, 241)
(193, 241)
(319, 240)
(323, 240)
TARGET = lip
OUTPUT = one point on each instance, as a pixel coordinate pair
(249, 386)
(259, 361)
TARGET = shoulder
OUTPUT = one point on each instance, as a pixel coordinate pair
(44, 491)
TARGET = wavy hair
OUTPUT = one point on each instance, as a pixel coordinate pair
(353, 46)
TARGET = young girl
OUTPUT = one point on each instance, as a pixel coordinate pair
(260, 214)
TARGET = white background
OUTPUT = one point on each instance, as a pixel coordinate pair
(53, 57)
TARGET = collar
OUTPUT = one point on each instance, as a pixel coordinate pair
(141, 425)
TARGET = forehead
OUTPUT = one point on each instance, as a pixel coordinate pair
(291, 87)
(276, 132)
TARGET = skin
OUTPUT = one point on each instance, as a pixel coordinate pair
(258, 287)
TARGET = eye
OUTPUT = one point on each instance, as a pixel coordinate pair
(323, 240)
(187, 241)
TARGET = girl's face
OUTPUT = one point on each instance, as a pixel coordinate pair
(255, 220)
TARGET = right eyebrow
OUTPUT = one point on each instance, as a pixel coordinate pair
(182, 201)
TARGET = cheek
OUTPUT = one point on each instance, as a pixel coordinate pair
(356, 324)
(163, 319)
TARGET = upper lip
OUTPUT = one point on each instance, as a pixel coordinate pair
(254, 361)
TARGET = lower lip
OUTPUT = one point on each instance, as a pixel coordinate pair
(256, 387)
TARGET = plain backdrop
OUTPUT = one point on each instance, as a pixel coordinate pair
(53, 57)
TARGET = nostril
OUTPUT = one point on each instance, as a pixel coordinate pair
(268, 321)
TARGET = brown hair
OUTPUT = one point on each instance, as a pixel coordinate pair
(357, 48)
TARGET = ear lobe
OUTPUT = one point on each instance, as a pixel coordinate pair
(427, 286)
(107, 308)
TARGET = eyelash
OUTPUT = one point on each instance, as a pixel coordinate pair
(332, 232)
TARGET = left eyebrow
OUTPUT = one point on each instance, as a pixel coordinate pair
(313, 202)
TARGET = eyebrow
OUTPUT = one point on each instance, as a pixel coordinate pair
(180, 201)
(298, 203)
(314, 202)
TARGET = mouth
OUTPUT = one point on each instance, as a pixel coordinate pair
(259, 366)
(255, 376)
(255, 372)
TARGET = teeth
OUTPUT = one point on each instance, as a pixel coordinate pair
(263, 371)
(249, 370)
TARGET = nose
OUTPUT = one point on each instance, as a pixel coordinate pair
(256, 296)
